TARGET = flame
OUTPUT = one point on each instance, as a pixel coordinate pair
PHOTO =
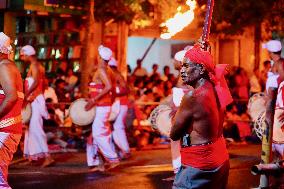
(179, 21)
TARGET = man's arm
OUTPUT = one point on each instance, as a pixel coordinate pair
(8, 84)
(36, 76)
(183, 118)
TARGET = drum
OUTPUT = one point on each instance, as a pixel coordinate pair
(115, 109)
(79, 115)
(26, 114)
(161, 120)
(256, 105)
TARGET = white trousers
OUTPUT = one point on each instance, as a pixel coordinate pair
(119, 135)
(176, 158)
(35, 144)
(8, 146)
(102, 140)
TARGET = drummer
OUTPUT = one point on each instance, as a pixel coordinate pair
(174, 102)
(11, 99)
(121, 92)
(35, 144)
(101, 97)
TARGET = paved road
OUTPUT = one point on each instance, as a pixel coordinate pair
(145, 170)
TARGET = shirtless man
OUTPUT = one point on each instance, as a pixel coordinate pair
(121, 92)
(198, 123)
(35, 144)
(101, 97)
(11, 99)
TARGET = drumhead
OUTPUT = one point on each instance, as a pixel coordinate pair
(115, 108)
(79, 115)
(256, 105)
(26, 114)
(160, 119)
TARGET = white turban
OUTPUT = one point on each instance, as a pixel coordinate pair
(180, 55)
(5, 44)
(112, 62)
(272, 46)
(28, 50)
(105, 52)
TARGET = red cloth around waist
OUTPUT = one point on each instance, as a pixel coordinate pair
(95, 89)
(205, 157)
(15, 111)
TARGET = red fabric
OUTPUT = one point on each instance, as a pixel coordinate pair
(15, 111)
(123, 100)
(95, 89)
(197, 55)
(216, 73)
(205, 157)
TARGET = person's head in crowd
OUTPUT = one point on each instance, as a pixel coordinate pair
(274, 49)
(171, 77)
(155, 68)
(49, 103)
(139, 63)
(60, 84)
(139, 84)
(166, 70)
(149, 85)
(159, 83)
(27, 53)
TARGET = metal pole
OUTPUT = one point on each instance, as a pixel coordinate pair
(267, 136)
(207, 25)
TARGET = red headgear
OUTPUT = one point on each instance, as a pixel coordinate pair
(216, 73)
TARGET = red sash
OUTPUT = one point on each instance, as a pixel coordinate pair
(205, 157)
(95, 89)
(12, 121)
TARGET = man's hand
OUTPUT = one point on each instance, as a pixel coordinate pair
(90, 104)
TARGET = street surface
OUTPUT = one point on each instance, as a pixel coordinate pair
(146, 169)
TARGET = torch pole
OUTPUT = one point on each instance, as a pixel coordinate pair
(207, 24)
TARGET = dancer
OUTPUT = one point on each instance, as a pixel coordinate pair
(35, 144)
(119, 135)
(11, 100)
(101, 97)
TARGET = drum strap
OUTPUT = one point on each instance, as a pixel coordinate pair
(10, 121)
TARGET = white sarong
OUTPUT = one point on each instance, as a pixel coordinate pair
(35, 144)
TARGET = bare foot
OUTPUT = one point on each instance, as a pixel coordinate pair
(100, 168)
(113, 165)
(47, 162)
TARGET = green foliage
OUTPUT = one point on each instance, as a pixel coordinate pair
(232, 16)
(119, 10)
